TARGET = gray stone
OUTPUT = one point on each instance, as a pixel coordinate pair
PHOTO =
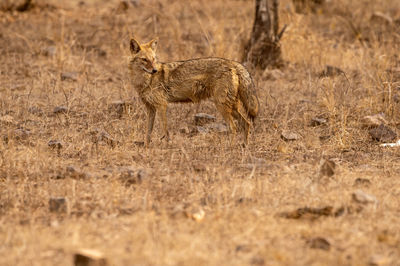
(319, 243)
(60, 110)
(201, 119)
(318, 121)
(217, 127)
(364, 198)
(72, 76)
(289, 135)
(383, 134)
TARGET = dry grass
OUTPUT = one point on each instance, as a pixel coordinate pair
(242, 191)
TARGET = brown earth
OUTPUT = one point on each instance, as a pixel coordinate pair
(322, 193)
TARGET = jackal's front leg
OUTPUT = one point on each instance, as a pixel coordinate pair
(151, 113)
(163, 116)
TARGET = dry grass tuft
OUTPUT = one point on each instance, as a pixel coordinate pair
(72, 130)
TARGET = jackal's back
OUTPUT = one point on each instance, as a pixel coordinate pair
(197, 79)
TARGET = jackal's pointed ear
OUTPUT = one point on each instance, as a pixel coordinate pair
(153, 44)
(134, 46)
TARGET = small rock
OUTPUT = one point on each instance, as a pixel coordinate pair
(364, 198)
(287, 135)
(73, 76)
(59, 205)
(201, 119)
(55, 144)
(211, 127)
(60, 110)
(331, 71)
(374, 120)
(362, 182)
(318, 121)
(217, 127)
(327, 168)
(89, 257)
(383, 134)
(319, 243)
(50, 51)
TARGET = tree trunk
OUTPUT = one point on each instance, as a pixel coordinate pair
(263, 48)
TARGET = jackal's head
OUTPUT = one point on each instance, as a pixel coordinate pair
(143, 57)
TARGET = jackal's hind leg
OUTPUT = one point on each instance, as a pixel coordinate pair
(244, 123)
(226, 113)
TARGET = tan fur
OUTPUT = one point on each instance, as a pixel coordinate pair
(227, 83)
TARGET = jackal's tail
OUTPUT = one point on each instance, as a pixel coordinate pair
(247, 92)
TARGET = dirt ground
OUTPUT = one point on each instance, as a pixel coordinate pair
(313, 187)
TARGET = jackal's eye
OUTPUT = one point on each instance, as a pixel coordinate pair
(145, 60)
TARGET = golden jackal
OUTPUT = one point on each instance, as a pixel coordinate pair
(227, 83)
